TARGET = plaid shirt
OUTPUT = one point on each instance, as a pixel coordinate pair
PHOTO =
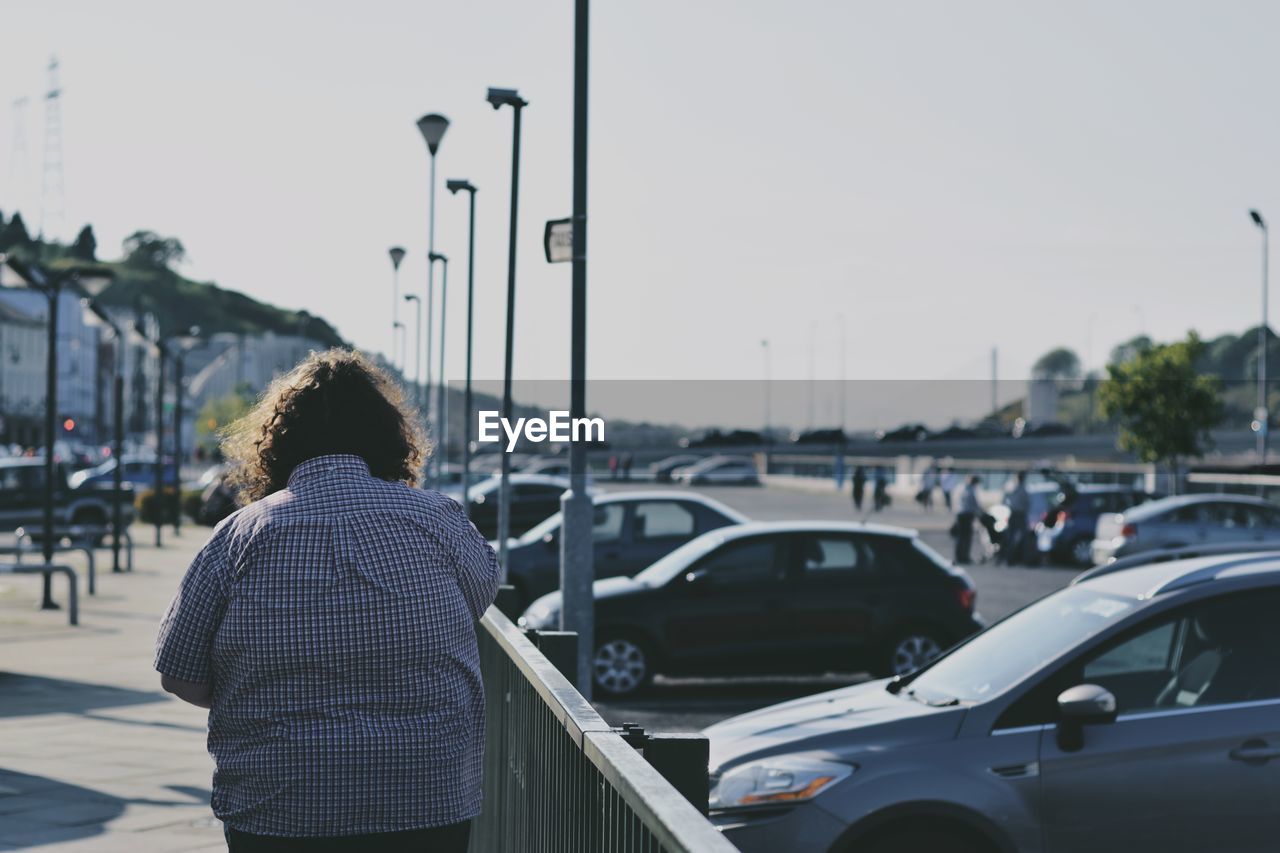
(335, 620)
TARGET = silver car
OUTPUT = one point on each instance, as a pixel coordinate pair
(1138, 709)
(1186, 520)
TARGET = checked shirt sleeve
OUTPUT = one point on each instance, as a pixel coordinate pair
(186, 632)
(475, 560)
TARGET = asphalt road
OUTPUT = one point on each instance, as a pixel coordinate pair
(690, 704)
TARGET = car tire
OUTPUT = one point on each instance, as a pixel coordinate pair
(91, 518)
(1081, 552)
(622, 665)
(909, 648)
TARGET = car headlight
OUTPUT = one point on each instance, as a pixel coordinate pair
(777, 780)
(541, 615)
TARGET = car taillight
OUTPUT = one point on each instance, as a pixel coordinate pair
(966, 596)
(1129, 531)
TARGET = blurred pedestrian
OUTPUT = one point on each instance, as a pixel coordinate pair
(969, 510)
(1018, 501)
(613, 467)
(330, 628)
(859, 487)
(948, 481)
(928, 482)
(625, 464)
(880, 494)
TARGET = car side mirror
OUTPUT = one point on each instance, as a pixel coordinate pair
(1080, 706)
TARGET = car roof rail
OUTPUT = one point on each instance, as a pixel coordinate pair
(1169, 555)
(1205, 574)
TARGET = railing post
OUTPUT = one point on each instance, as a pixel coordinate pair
(561, 648)
(683, 760)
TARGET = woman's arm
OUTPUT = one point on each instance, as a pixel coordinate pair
(199, 695)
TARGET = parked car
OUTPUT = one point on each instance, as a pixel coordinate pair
(138, 470)
(534, 497)
(1134, 710)
(1184, 520)
(719, 470)
(632, 531)
(777, 597)
(732, 438)
(906, 432)
(1065, 530)
(555, 466)
(1025, 429)
(662, 470)
(22, 489)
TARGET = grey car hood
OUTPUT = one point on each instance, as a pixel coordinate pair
(843, 722)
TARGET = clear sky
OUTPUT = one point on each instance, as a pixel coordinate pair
(940, 177)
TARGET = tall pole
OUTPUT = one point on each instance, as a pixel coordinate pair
(764, 346)
(442, 401)
(466, 392)
(504, 492)
(432, 127)
(995, 406)
(53, 291)
(426, 389)
(417, 348)
(577, 570)
(158, 502)
(1263, 413)
(117, 476)
(843, 376)
(397, 255)
(179, 368)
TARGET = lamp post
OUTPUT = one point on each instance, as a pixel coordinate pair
(417, 347)
(1262, 415)
(182, 345)
(442, 402)
(764, 348)
(117, 417)
(51, 283)
(158, 482)
(432, 127)
(511, 98)
(577, 552)
(397, 255)
(456, 185)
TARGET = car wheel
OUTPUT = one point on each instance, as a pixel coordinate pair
(910, 649)
(1082, 552)
(622, 666)
(90, 518)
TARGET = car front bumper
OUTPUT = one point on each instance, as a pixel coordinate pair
(802, 828)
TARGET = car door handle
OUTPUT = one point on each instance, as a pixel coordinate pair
(1254, 752)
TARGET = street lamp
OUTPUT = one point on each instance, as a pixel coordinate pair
(117, 415)
(432, 127)
(417, 349)
(397, 255)
(1262, 415)
(182, 344)
(51, 283)
(455, 186)
(510, 98)
(764, 347)
(442, 410)
(157, 502)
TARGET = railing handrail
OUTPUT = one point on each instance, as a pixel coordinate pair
(673, 821)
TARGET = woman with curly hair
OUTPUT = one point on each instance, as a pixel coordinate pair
(329, 626)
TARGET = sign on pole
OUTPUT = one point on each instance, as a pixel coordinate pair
(557, 241)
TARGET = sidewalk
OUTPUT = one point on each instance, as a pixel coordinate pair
(93, 755)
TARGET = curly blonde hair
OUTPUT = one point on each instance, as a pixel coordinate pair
(336, 401)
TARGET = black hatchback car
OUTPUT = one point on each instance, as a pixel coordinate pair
(632, 531)
(768, 598)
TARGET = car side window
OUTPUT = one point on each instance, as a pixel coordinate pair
(608, 523)
(661, 520)
(742, 562)
(1219, 651)
(822, 555)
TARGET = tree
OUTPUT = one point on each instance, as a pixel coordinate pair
(1130, 349)
(85, 248)
(148, 250)
(1059, 364)
(1163, 405)
(14, 235)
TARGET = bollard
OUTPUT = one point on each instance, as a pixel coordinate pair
(683, 760)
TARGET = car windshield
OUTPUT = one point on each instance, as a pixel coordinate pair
(1017, 647)
(661, 572)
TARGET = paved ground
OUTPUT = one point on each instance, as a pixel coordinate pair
(93, 756)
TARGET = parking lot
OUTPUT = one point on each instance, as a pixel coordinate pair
(689, 704)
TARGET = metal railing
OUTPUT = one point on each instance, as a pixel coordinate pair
(557, 777)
